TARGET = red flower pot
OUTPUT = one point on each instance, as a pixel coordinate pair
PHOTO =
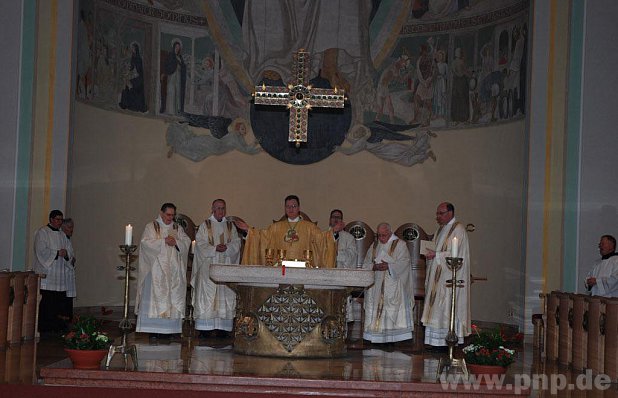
(486, 369)
(86, 359)
(484, 373)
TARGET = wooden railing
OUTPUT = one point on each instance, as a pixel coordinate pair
(19, 302)
(581, 332)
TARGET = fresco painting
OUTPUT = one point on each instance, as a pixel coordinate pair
(452, 64)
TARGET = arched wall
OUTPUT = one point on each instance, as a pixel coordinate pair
(122, 169)
(121, 174)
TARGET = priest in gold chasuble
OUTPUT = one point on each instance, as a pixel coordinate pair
(294, 235)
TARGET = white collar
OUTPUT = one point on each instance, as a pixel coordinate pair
(212, 218)
(450, 223)
(164, 225)
(297, 219)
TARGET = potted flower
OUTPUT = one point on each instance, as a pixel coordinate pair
(85, 343)
(487, 354)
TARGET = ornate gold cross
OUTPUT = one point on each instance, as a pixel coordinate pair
(299, 97)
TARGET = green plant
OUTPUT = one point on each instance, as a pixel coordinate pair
(86, 334)
(488, 348)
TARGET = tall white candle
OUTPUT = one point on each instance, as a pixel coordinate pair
(128, 235)
(454, 247)
(193, 246)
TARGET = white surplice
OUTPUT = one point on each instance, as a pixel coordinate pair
(347, 257)
(214, 304)
(389, 301)
(606, 272)
(437, 310)
(47, 242)
(162, 281)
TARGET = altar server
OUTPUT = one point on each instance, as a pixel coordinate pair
(53, 255)
(603, 279)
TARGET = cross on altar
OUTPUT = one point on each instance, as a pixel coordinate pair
(299, 97)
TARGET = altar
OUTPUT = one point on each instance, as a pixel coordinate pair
(290, 312)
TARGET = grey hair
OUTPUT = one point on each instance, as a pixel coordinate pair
(385, 224)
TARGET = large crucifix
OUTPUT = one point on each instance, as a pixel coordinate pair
(299, 97)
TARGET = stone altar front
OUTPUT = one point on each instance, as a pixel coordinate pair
(291, 312)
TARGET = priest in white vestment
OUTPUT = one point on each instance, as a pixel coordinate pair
(437, 310)
(162, 280)
(52, 260)
(603, 279)
(347, 255)
(389, 301)
(217, 242)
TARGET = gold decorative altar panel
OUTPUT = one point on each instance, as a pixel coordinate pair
(290, 312)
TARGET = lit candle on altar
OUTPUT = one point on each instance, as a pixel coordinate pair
(128, 235)
(193, 246)
(454, 247)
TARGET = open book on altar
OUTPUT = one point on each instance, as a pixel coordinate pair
(294, 264)
(427, 245)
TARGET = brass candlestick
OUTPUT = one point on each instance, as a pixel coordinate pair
(125, 324)
(451, 364)
(281, 253)
(308, 257)
(189, 319)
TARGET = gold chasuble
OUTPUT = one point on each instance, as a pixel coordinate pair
(294, 238)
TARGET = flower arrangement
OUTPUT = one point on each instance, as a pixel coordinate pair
(86, 334)
(488, 348)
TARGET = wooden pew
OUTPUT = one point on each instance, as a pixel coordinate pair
(5, 288)
(565, 330)
(16, 308)
(31, 306)
(580, 334)
(553, 319)
(611, 338)
(596, 337)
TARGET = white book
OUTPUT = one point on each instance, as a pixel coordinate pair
(294, 264)
(427, 245)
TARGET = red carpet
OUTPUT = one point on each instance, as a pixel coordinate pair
(30, 391)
